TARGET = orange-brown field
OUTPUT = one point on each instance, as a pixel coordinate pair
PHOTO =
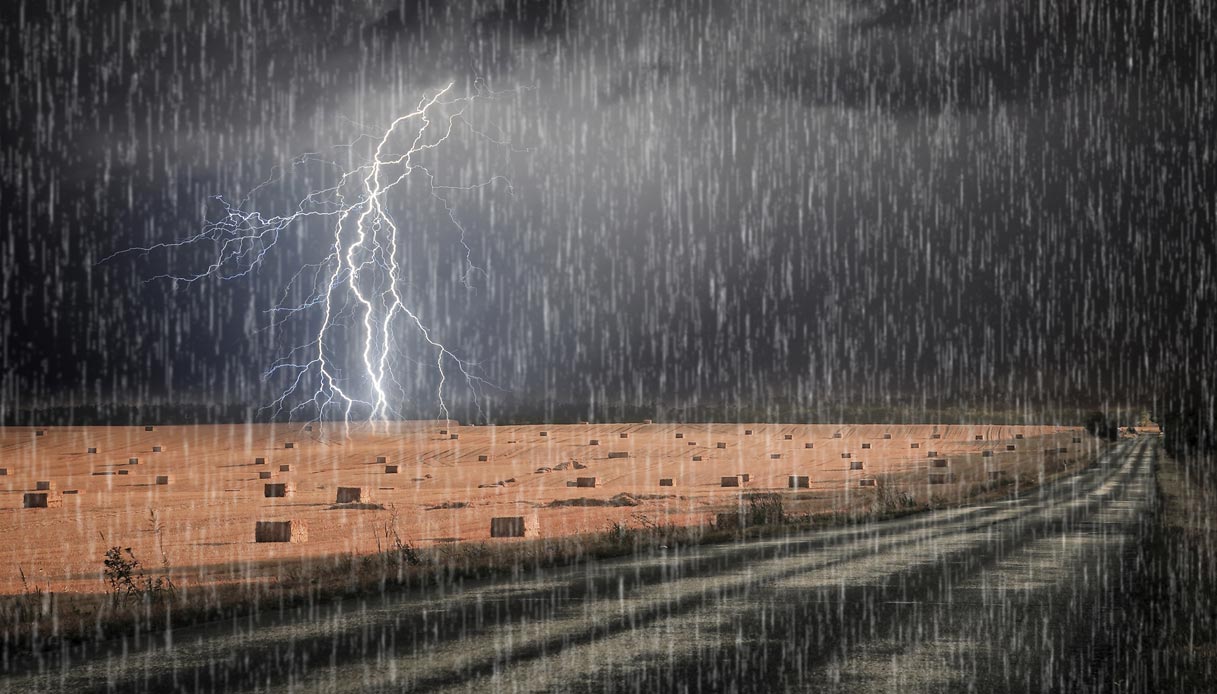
(450, 481)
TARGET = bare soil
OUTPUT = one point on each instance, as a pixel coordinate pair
(202, 523)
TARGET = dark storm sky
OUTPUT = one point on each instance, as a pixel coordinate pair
(720, 201)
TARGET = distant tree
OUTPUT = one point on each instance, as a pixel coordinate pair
(1101, 426)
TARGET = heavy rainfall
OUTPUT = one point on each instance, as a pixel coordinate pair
(634, 345)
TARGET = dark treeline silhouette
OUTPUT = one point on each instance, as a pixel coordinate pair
(523, 411)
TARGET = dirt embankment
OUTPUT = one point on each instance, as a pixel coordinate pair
(1177, 581)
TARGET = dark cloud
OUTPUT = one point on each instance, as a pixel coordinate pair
(935, 199)
(935, 54)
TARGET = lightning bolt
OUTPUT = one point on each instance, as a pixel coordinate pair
(358, 283)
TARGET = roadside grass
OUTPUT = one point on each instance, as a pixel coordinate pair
(1177, 580)
(144, 600)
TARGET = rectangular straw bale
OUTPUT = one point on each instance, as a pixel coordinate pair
(353, 495)
(278, 490)
(508, 526)
(295, 531)
(47, 499)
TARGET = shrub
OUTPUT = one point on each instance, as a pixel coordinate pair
(127, 580)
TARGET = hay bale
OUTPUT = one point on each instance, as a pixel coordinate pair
(855, 465)
(665, 481)
(278, 490)
(720, 444)
(289, 445)
(47, 499)
(586, 481)
(732, 481)
(618, 454)
(729, 521)
(353, 495)
(508, 526)
(44, 485)
(163, 479)
(295, 531)
(390, 469)
(285, 468)
(264, 475)
(798, 482)
(868, 483)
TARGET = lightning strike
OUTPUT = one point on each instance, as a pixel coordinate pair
(358, 283)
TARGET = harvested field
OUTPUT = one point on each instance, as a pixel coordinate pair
(449, 488)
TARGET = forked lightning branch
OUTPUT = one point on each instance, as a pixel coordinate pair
(357, 288)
